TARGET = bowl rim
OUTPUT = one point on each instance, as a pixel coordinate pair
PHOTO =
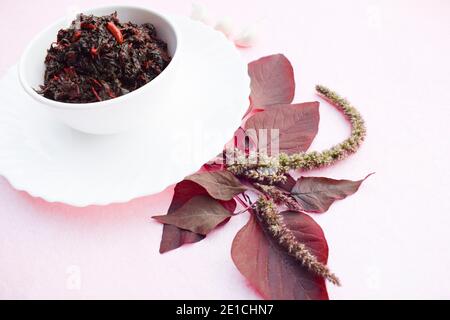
(95, 105)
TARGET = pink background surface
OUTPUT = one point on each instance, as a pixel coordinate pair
(390, 240)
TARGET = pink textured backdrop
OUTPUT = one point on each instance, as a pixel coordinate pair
(390, 240)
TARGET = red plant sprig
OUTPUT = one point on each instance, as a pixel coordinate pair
(283, 254)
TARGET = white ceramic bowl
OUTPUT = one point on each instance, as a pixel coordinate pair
(118, 114)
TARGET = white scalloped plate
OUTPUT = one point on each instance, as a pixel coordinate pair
(49, 160)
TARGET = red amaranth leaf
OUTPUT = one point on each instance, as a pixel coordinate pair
(270, 270)
(174, 237)
(251, 111)
(201, 215)
(317, 194)
(221, 185)
(297, 124)
(272, 81)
